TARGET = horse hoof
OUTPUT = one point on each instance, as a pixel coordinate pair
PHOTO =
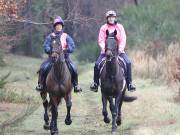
(114, 129)
(46, 127)
(107, 120)
(68, 121)
(113, 132)
(54, 132)
(118, 122)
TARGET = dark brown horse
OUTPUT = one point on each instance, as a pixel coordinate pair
(113, 84)
(58, 86)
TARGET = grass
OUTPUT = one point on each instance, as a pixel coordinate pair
(3, 80)
(151, 114)
(21, 83)
(159, 67)
(154, 113)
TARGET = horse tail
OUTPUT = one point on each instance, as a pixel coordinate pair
(129, 98)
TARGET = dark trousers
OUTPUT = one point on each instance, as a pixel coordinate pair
(72, 69)
(129, 69)
(128, 64)
(45, 67)
(96, 68)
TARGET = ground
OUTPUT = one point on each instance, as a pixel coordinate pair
(155, 112)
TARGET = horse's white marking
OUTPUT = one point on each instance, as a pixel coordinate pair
(124, 84)
(54, 42)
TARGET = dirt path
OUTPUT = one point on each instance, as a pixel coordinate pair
(87, 118)
(86, 115)
(154, 113)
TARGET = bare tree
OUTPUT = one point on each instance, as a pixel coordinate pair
(29, 50)
(136, 2)
(8, 8)
(82, 17)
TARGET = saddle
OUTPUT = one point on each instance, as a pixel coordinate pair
(121, 62)
(46, 67)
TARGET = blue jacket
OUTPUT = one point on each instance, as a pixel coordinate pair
(48, 48)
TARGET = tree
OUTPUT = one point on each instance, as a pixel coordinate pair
(30, 50)
(136, 2)
(8, 8)
(28, 24)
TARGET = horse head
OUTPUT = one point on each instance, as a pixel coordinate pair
(111, 48)
(57, 51)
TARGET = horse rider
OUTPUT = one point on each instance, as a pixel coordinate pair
(111, 26)
(68, 46)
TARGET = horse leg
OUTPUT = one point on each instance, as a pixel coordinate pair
(118, 121)
(54, 111)
(45, 105)
(104, 110)
(114, 114)
(68, 120)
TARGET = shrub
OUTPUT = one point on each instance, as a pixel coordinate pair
(161, 67)
(150, 21)
(88, 52)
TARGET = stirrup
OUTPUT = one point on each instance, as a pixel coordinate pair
(131, 87)
(39, 87)
(77, 89)
(94, 87)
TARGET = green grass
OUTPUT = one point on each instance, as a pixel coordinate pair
(151, 114)
(154, 113)
(20, 85)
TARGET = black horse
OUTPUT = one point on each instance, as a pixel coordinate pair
(113, 84)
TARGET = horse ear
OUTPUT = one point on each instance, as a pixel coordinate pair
(115, 32)
(107, 32)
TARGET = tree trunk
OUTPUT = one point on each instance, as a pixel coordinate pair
(29, 50)
(136, 2)
(69, 25)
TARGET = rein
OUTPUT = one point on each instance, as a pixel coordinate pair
(111, 58)
(59, 81)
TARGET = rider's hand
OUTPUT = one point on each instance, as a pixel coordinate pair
(103, 50)
(121, 51)
(53, 35)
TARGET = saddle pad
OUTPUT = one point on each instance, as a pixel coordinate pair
(121, 62)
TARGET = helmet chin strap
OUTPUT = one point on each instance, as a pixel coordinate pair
(58, 32)
(115, 22)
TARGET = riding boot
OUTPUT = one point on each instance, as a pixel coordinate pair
(131, 87)
(75, 83)
(41, 82)
(94, 85)
(74, 75)
(43, 72)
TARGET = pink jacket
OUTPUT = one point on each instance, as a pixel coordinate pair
(62, 39)
(121, 36)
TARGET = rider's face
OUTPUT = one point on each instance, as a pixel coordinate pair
(111, 19)
(58, 27)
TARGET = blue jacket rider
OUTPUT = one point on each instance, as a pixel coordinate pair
(68, 47)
